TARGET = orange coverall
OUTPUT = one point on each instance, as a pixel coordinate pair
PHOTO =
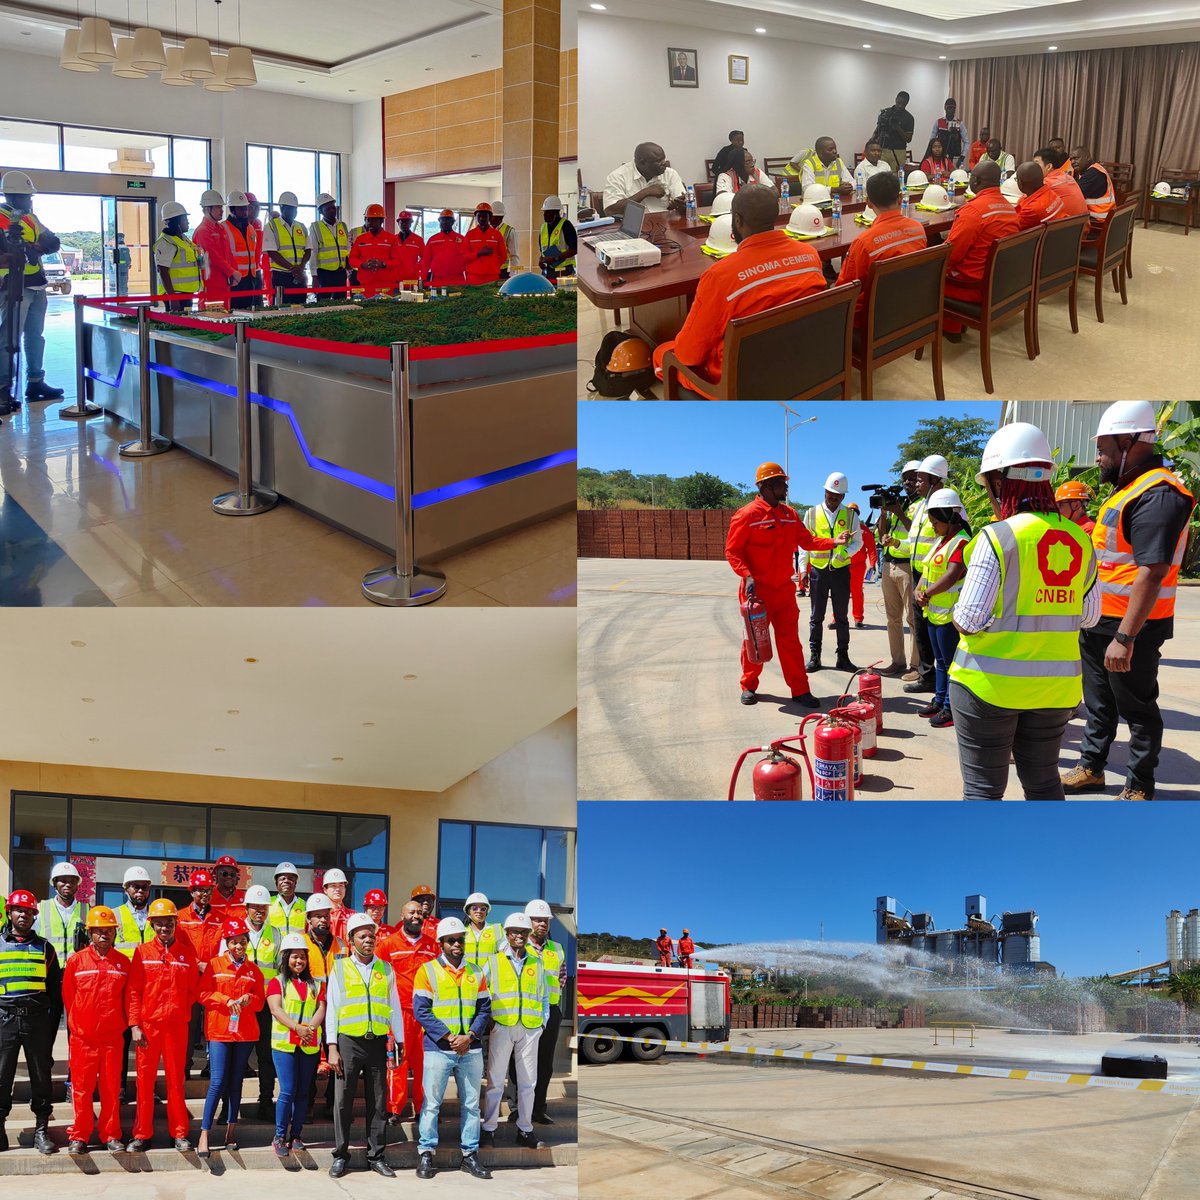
(686, 949)
(223, 981)
(409, 251)
(979, 223)
(891, 234)
(339, 917)
(210, 236)
(443, 262)
(201, 933)
(766, 270)
(94, 994)
(235, 906)
(407, 958)
(867, 556)
(665, 946)
(485, 269)
(163, 984)
(381, 245)
(760, 546)
(1064, 185)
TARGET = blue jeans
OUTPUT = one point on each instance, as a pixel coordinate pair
(945, 642)
(295, 1073)
(467, 1070)
(33, 321)
(226, 1070)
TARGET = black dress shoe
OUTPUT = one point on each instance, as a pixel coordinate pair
(749, 697)
(77, 1146)
(392, 1119)
(920, 685)
(3, 1137)
(338, 1167)
(42, 1143)
(425, 1168)
(42, 391)
(951, 337)
(844, 664)
(860, 625)
(542, 1118)
(381, 1168)
(472, 1166)
(139, 1145)
(529, 1141)
(808, 700)
(487, 1137)
(115, 1147)
(182, 1145)
(814, 663)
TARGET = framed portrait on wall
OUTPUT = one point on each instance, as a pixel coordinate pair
(739, 68)
(682, 69)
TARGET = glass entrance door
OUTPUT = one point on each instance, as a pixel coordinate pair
(128, 233)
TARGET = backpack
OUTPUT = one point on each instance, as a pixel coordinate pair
(617, 387)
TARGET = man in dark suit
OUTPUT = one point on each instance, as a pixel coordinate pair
(684, 72)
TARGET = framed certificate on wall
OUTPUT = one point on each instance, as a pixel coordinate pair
(739, 68)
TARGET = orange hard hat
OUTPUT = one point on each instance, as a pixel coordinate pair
(630, 356)
(422, 890)
(483, 206)
(163, 908)
(769, 470)
(852, 505)
(374, 210)
(101, 917)
(446, 212)
(1073, 490)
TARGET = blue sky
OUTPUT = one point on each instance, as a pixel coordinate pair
(731, 439)
(1102, 877)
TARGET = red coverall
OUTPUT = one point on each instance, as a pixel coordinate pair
(409, 251)
(94, 994)
(202, 934)
(235, 906)
(892, 233)
(163, 985)
(665, 947)
(686, 949)
(867, 556)
(443, 263)
(339, 917)
(407, 958)
(485, 269)
(381, 245)
(979, 223)
(1067, 190)
(210, 236)
(223, 982)
(760, 546)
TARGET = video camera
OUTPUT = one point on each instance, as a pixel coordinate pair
(886, 495)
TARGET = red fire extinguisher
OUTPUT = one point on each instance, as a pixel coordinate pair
(833, 757)
(870, 689)
(757, 629)
(778, 776)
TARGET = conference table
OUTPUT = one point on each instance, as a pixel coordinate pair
(657, 298)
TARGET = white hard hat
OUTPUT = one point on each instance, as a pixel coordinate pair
(172, 209)
(1163, 188)
(476, 898)
(945, 498)
(293, 941)
(720, 234)
(868, 215)
(448, 926)
(816, 193)
(359, 921)
(1015, 446)
(136, 875)
(286, 868)
(1128, 416)
(212, 197)
(918, 179)
(837, 482)
(498, 208)
(1011, 190)
(17, 183)
(318, 902)
(958, 175)
(337, 875)
(911, 465)
(806, 218)
(538, 908)
(325, 198)
(722, 203)
(288, 198)
(238, 199)
(64, 870)
(517, 920)
(935, 196)
(258, 895)
(551, 203)
(934, 464)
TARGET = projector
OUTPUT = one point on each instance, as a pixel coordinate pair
(625, 255)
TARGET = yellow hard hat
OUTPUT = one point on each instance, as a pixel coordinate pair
(163, 908)
(101, 917)
(769, 470)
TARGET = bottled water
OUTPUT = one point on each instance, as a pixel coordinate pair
(835, 209)
(785, 194)
(584, 198)
(691, 202)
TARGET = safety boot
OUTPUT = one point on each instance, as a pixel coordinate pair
(1133, 792)
(529, 1140)
(3, 1137)
(425, 1166)
(1080, 777)
(472, 1166)
(41, 1141)
(42, 391)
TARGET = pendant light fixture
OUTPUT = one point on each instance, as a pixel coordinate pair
(197, 54)
(173, 75)
(240, 69)
(218, 82)
(123, 68)
(149, 54)
(96, 40)
(69, 59)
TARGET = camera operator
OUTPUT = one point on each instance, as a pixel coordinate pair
(24, 309)
(894, 130)
(896, 567)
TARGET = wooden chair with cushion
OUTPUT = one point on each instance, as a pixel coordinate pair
(1058, 268)
(1008, 289)
(705, 193)
(796, 351)
(1107, 254)
(775, 166)
(904, 299)
(1176, 177)
(1121, 173)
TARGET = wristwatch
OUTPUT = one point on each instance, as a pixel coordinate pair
(1124, 639)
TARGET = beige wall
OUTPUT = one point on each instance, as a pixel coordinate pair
(531, 784)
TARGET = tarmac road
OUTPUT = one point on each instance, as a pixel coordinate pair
(660, 717)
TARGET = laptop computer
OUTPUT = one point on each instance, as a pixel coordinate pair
(631, 226)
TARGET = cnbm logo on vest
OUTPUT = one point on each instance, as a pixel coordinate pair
(1059, 557)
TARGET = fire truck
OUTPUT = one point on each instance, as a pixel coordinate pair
(679, 1003)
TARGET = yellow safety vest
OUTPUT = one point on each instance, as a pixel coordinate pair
(553, 956)
(903, 548)
(1029, 656)
(277, 918)
(59, 933)
(31, 230)
(129, 936)
(265, 954)
(285, 235)
(504, 229)
(298, 1010)
(555, 237)
(185, 274)
(333, 245)
(518, 1000)
(364, 1008)
(454, 1000)
(830, 176)
(940, 608)
(481, 943)
(22, 968)
(817, 521)
(921, 535)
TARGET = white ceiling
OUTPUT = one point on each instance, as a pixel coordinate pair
(328, 685)
(950, 29)
(349, 51)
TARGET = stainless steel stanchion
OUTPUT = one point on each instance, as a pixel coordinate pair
(81, 410)
(146, 443)
(248, 500)
(403, 584)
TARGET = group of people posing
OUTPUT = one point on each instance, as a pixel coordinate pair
(316, 987)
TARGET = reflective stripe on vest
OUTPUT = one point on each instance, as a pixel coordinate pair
(481, 943)
(454, 1000)
(22, 968)
(364, 1007)
(279, 919)
(903, 548)
(940, 608)
(129, 936)
(59, 933)
(285, 235)
(333, 245)
(1029, 656)
(1100, 208)
(247, 247)
(1117, 568)
(553, 957)
(921, 535)
(263, 955)
(31, 230)
(555, 237)
(504, 229)
(838, 556)
(185, 275)
(517, 1000)
(828, 175)
(298, 1010)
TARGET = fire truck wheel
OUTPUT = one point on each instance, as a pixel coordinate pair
(601, 1046)
(644, 1052)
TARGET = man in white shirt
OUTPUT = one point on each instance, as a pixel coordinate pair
(872, 164)
(361, 1008)
(997, 154)
(829, 571)
(648, 180)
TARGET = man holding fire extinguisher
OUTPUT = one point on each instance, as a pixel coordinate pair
(763, 537)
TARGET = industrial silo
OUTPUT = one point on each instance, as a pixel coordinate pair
(1020, 949)
(944, 945)
(1191, 936)
(1174, 938)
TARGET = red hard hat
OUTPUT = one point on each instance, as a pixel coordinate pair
(234, 927)
(200, 879)
(374, 897)
(22, 899)
(251, 197)
(226, 860)
(404, 214)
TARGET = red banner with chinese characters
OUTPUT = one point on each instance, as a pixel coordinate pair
(85, 864)
(176, 874)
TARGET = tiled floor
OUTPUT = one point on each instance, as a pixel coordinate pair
(1147, 348)
(82, 526)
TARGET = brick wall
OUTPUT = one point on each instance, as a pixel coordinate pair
(653, 533)
(803, 1016)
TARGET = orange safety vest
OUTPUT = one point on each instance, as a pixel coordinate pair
(1099, 209)
(247, 248)
(1117, 569)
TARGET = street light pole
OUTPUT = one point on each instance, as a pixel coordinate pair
(789, 429)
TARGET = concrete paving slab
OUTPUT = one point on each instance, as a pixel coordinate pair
(762, 1163)
(659, 695)
(845, 1185)
(901, 1189)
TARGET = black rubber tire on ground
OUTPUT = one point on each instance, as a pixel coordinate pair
(65, 290)
(643, 1053)
(600, 1046)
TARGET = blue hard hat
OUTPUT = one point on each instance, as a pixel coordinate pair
(527, 283)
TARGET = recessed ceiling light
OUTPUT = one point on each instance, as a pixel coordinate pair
(760, 29)
(598, 7)
(866, 45)
(299, 80)
(1051, 47)
(26, 33)
(942, 57)
(476, 55)
(429, 68)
